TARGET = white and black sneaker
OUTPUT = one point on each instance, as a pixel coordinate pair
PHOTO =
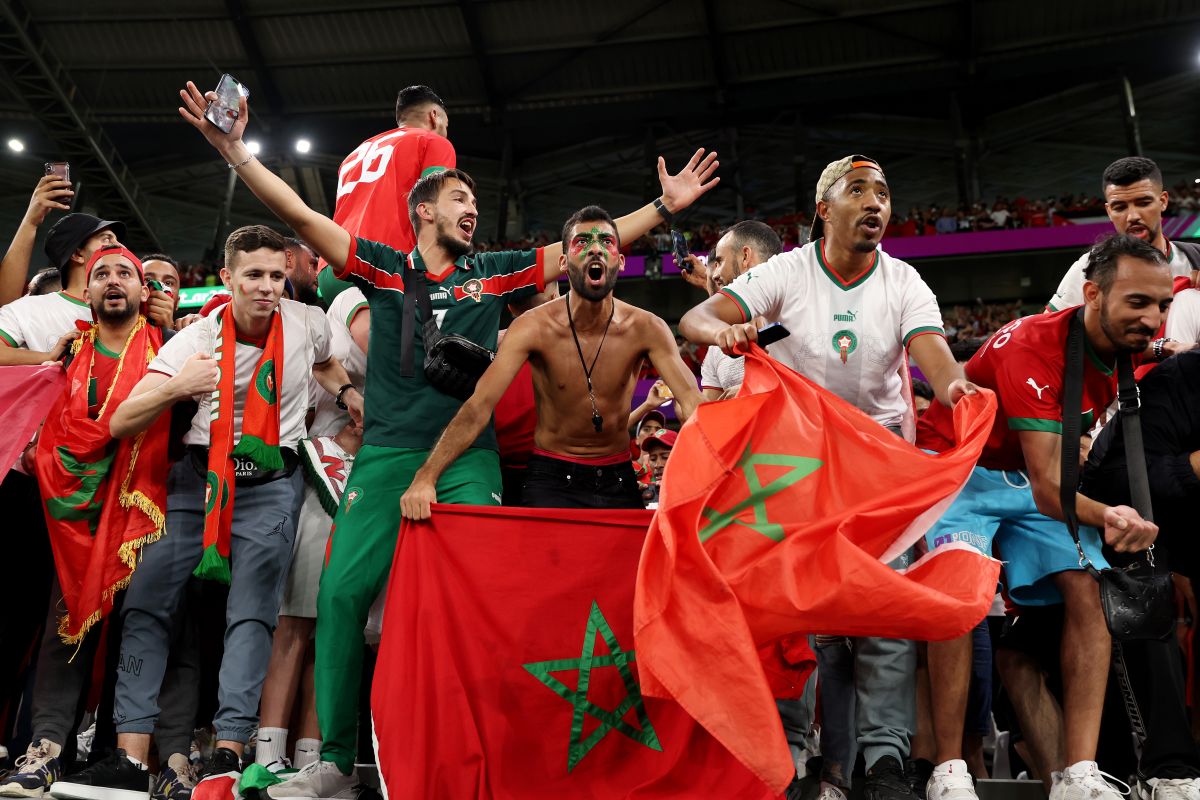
(318, 779)
(113, 778)
(1168, 789)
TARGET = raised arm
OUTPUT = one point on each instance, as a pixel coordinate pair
(470, 419)
(51, 192)
(678, 192)
(325, 236)
(664, 356)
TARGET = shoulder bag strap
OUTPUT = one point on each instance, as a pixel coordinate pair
(1072, 403)
(416, 292)
(1129, 399)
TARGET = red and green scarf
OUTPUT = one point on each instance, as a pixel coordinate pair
(103, 498)
(259, 442)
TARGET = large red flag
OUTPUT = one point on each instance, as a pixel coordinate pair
(507, 667)
(26, 395)
(780, 510)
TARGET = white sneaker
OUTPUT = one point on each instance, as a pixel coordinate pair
(951, 781)
(831, 792)
(1085, 781)
(318, 779)
(1168, 789)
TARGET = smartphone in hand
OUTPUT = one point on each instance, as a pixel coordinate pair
(679, 249)
(225, 109)
(60, 168)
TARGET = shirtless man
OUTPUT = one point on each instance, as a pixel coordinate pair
(585, 350)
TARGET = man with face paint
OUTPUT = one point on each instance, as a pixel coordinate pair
(585, 350)
(1010, 504)
(853, 312)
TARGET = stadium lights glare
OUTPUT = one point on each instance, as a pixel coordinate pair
(16, 145)
(303, 145)
(254, 147)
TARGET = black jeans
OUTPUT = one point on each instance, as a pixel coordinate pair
(557, 483)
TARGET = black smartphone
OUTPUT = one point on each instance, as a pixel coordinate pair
(60, 168)
(679, 249)
(772, 333)
(225, 109)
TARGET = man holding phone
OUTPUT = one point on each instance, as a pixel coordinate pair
(467, 294)
(853, 312)
(51, 193)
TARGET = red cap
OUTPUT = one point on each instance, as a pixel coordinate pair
(664, 437)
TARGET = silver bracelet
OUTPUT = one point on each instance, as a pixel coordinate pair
(242, 163)
(1158, 347)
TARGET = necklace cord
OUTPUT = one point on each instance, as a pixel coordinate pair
(597, 420)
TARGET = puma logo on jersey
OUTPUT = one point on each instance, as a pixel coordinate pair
(1036, 388)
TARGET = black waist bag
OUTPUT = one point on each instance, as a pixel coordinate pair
(453, 364)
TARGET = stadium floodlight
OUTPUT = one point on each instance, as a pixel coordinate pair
(303, 145)
(254, 146)
(16, 145)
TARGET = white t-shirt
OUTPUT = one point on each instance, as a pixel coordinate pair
(719, 371)
(848, 337)
(330, 419)
(1070, 290)
(37, 322)
(305, 343)
(1183, 320)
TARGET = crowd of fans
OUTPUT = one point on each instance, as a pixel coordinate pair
(100, 701)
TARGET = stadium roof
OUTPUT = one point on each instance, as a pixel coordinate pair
(564, 103)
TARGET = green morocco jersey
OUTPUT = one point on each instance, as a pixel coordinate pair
(467, 300)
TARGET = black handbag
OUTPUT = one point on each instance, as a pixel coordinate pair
(453, 364)
(1138, 599)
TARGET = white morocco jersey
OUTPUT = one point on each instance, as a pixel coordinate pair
(847, 336)
(37, 322)
(1070, 289)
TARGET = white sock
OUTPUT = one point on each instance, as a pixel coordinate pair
(272, 745)
(307, 751)
(135, 762)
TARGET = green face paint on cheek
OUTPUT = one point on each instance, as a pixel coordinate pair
(582, 241)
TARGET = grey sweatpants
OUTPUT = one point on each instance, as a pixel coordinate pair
(263, 528)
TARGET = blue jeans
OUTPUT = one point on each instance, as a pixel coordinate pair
(263, 529)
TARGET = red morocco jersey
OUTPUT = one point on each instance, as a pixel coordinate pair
(375, 179)
(1023, 364)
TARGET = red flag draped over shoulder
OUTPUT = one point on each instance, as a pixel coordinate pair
(507, 667)
(103, 498)
(780, 510)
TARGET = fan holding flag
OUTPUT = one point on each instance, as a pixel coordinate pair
(854, 313)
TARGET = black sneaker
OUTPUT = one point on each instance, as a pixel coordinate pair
(222, 762)
(114, 778)
(886, 781)
(918, 771)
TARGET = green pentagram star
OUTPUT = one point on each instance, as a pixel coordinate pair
(609, 720)
(801, 468)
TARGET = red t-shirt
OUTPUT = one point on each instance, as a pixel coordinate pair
(104, 369)
(1023, 364)
(516, 419)
(375, 179)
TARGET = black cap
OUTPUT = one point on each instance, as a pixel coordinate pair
(69, 233)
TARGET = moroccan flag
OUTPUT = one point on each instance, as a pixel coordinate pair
(104, 498)
(507, 667)
(780, 510)
(25, 394)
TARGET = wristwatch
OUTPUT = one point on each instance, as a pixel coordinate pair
(341, 392)
(663, 211)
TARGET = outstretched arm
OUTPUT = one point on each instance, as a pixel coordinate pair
(470, 419)
(946, 376)
(678, 192)
(325, 236)
(156, 392)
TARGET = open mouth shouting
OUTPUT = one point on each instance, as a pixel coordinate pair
(467, 226)
(595, 269)
(871, 225)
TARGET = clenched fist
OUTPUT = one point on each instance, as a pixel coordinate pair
(198, 377)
